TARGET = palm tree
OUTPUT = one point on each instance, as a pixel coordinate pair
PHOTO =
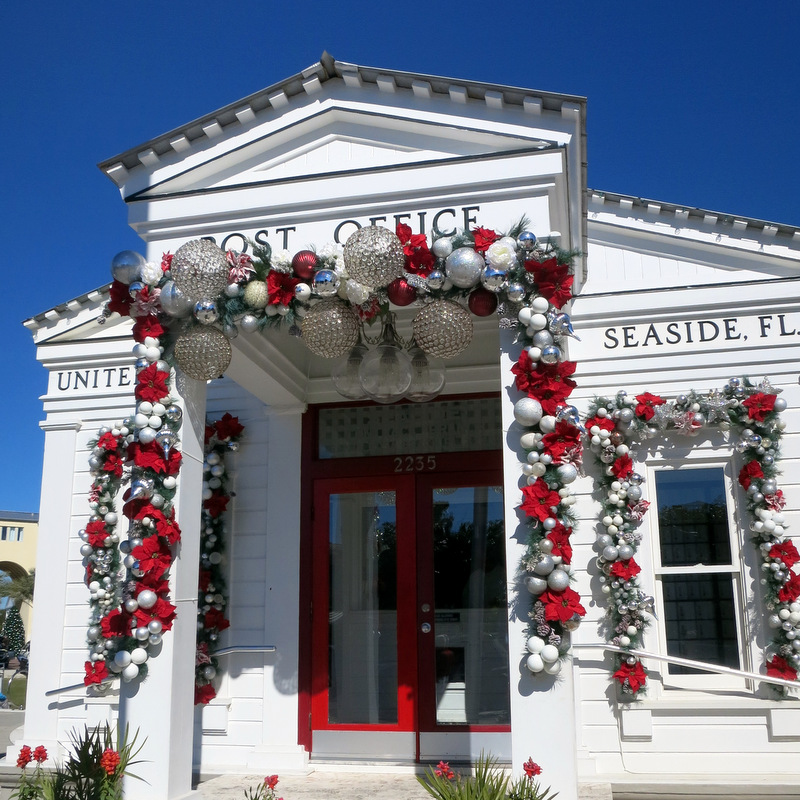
(19, 590)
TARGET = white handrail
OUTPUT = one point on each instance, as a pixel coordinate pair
(687, 662)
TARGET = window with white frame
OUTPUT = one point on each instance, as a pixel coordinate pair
(698, 569)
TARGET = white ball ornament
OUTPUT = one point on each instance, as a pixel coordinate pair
(527, 411)
(130, 673)
(147, 435)
(553, 668)
(535, 585)
(122, 658)
(535, 644)
(139, 655)
(525, 315)
(147, 598)
(540, 304)
(170, 482)
(547, 424)
(527, 441)
(534, 353)
(567, 473)
(535, 663)
(141, 420)
(779, 404)
(538, 322)
(549, 653)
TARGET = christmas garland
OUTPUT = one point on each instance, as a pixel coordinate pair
(752, 414)
(221, 437)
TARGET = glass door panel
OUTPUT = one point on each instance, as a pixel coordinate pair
(362, 610)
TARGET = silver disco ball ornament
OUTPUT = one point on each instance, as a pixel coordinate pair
(126, 266)
(527, 240)
(203, 353)
(464, 267)
(374, 256)
(173, 301)
(493, 279)
(330, 329)
(199, 269)
(515, 292)
(551, 354)
(205, 312)
(443, 328)
(436, 279)
(325, 283)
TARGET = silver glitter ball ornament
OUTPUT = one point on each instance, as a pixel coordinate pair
(515, 292)
(527, 240)
(493, 279)
(436, 280)
(205, 312)
(374, 256)
(203, 353)
(126, 266)
(534, 584)
(330, 329)
(542, 339)
(442, 247)
(325, 283)
(199, 269)
(558, 580)
(464, 267)
(527, 411)
(249, 323)
(443, 328)
(173, 301)
(550, 354)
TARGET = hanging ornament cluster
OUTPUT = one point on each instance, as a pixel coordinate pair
(552, 450)
(751, 413)
(221, 437)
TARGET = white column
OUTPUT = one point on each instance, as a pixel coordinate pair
(47, 636)
(161, 707)
(279, 750)
(542, 707)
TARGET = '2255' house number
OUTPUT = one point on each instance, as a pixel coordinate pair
(414, 463)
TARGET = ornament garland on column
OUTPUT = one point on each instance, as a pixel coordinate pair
(751, 413)
(222, 437)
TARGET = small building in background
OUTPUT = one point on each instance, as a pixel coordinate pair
(18, 537)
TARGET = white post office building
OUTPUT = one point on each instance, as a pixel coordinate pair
(378, 614)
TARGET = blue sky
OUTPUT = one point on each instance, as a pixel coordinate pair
(691, 103)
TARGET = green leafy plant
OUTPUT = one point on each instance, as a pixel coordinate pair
(94, 769)
(488, 782)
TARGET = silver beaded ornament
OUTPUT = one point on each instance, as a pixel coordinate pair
(330, 329)
(203, 353)
(374, 256)
(443, 328)
(199, 269)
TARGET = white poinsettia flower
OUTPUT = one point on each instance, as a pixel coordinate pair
(281, 260)
(151, 273)
(502, 255)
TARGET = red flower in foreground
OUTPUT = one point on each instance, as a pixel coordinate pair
(484, 238)
(151, 456)
(790, 590)
(443, 770)
(204, 694)
(168, 528)
(778, 667)
(96, 533)
(109, 761)
(153, 555)
(554, 284)
(538, 499)
(24, 758)
(563, 438)
(227, 427)
(634, 674)
(759, 405)
(271, 781)
(646, 405)
(108, 441)
(786, 552)
(625, 569)
(96, 672)
(216, 504)
(151, 384)
(622, 467)
(113, 464)
(561, 606)
(280, 288)
(532, 769)
(749, 472)
(419, 259)
(163, 611)
(40, 754)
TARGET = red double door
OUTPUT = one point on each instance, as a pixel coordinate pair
(409, 622)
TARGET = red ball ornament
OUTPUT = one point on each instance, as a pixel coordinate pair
(401, 293)
(305, 264)
(482, 302)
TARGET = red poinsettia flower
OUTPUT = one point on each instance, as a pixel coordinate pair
(565, 437)
(169, 528)
(214, 618)
(115, 624)
(604, 423)
(163, 611)
(216, 504)
(151, 580)
(790, 590)
(153, 555)
(538, 499)
(559, 536)
(634, 674)
(204, 694)
(778, 667)
(96, 672)
(166, 261)
(625, 570)
(484, 238)
(646, 405)
(555, 285)
(750, 472)
(228, 427)
(209, 433)
(531, 769)
(419, 259)
(561, 606)
(151, 384)
(120, 299)
(204, 579)
(113, 464)
(551, 385)
(151, 456)
(786, 552)
(147, 326)
(759, 405)
(280, 288)
(622, 467)
(108, 441)
(97, 533)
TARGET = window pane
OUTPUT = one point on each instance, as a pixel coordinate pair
(692, 517)
(700, 620)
